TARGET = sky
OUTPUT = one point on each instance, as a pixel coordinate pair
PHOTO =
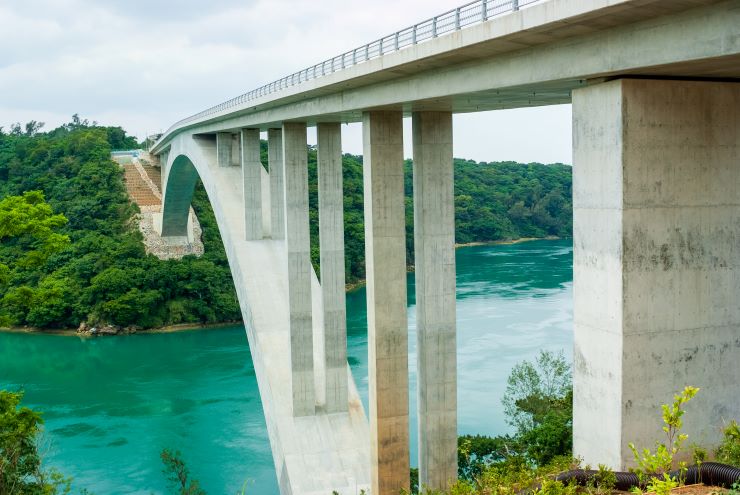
(144, 64)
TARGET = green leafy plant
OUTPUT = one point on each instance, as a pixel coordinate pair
(178, 474)
(21, 469)
(653, 467)
(554, 487)
(602, 482)
(662, 486)
(729, 450)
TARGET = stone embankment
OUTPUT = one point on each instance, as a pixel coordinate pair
(143, 185)
(96, 330)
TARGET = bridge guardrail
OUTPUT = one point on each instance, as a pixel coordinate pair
(471, 13)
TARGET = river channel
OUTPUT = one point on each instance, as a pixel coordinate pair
(112, 404)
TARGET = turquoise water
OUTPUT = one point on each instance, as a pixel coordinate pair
(112, 404)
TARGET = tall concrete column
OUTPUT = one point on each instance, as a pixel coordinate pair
(275, 164)
(295, 173)
(656, 261)
(252, 176)
(224, 149)
(434, 248)
(385, 267)
(331, 240)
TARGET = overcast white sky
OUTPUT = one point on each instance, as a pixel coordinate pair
(143, 64)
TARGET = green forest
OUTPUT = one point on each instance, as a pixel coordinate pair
(71, 251)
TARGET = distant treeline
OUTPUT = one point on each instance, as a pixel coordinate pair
(493, 201)
(104, 275)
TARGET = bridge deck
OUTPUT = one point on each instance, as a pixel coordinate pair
(535, 56)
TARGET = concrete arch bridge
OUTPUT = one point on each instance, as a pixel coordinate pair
(656, 190)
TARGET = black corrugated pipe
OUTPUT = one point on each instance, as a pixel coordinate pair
(625, 481)
(717, 474)
(709, 473)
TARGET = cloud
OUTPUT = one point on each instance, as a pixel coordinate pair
(145, 64)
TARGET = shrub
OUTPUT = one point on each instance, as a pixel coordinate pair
(729, 451)
(20, 462)
(653, 467)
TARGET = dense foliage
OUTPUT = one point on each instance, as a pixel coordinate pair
(103, 274)
(538, 402)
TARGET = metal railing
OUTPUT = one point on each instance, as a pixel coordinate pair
(475, 12)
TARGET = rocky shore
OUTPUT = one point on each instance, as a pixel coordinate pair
(95, 330)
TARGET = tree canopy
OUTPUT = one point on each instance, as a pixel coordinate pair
(79, 256)
(76, 253)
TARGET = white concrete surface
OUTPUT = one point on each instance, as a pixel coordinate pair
(297, 242)
(387, 324)
(277, 199)
(252, 171)
(266, 202)
(313, 454)
(331, 242)
(434, 255)
(225, 149)
(656, 194)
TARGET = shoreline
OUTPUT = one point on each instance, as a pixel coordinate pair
(72, 332)
(182, 327)
(508, 241)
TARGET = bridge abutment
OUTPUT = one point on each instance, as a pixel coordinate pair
(434, 247)
(656, 261)
(385, 261)
(297, 243)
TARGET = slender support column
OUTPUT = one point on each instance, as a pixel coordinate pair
(295, 156)
(331, 239)
(252, 175)
(656, 267)
(224, 149)
(277, 199)
(434, 248)
(385, 262)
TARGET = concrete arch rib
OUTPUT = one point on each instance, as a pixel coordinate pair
(313, 454)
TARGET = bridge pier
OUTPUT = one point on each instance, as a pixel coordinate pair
(434, 247)
(297, 242)
(385, 262)
(331, 241)
(656, 261)
(224, 149)
(252, 179)
(277, 197)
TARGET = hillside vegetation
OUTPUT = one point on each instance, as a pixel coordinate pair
(101, 273)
